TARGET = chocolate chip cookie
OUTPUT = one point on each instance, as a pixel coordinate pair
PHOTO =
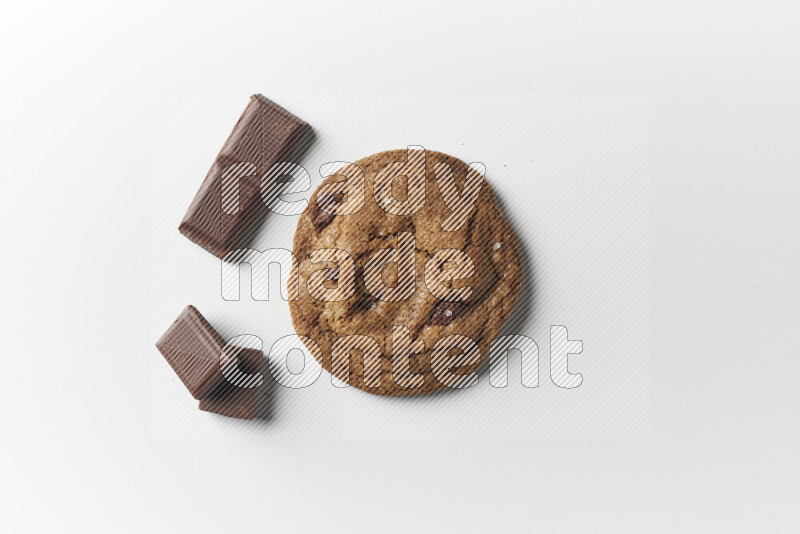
(407, 272)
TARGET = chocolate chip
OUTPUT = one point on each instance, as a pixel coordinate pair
(326, 202)
(331, 275)
(446, 312)
(367, 302)
(322, 219)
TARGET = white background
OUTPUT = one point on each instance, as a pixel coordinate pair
(78, 454)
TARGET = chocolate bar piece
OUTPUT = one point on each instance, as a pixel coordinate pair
(220, 218)
(233, 401)
(193, 348)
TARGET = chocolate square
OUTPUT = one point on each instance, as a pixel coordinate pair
(193, 348)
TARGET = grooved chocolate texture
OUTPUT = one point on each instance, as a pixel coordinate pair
(264, 135)
(193, 348)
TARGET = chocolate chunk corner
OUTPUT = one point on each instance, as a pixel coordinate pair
(234, 401)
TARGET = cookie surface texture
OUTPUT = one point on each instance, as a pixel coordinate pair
(382, 285)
